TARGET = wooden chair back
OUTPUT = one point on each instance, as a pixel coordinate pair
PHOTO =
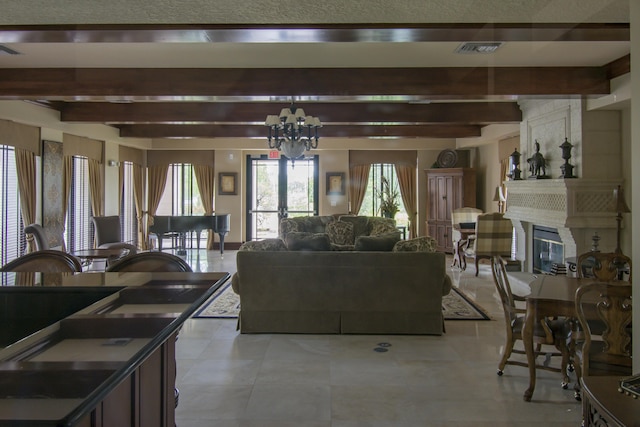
(605, 266)
(150, 261)
(607, 351)
(47, 261)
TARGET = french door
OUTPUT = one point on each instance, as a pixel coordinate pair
(276, 189)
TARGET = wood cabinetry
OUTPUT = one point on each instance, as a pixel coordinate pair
(447, 189)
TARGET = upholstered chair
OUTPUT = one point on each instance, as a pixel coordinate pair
(149, 262)
(462, 219)
(494, 237)
(39, 236)
(108, 231)
(45, 261)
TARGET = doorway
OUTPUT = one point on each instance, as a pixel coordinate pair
(279, 188)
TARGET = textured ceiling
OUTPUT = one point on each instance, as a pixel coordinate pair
(307, 11)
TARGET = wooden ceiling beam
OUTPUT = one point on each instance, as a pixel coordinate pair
(314, 33)
(337, 131)
(76, 83)
(203, 112)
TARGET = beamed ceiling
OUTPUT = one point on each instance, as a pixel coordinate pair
(389, 81)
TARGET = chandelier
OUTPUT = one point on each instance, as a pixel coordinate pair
(292, 132)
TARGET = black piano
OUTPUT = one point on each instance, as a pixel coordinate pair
(184, 224)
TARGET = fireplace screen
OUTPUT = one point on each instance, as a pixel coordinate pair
(548, 249)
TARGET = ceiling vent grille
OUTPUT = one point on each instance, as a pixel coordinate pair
(7, 51)
(478, 47)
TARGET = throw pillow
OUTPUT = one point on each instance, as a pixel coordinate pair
(302, 241)
(382, 226)
(263, 245)
(381, 242)
(360, 224)
(419, 244)
(340, 233)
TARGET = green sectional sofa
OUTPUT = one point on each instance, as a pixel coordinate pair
(338, 292)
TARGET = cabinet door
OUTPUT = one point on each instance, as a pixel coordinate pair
(443, 197)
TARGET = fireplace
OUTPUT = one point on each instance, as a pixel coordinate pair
(547, 250)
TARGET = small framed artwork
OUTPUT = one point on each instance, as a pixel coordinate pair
(227, 182)
(335, 183)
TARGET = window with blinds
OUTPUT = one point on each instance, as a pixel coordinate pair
(79, 229)
(12, 241)
(128, 215)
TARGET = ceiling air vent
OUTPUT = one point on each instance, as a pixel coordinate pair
(6, 51)
(478, 47)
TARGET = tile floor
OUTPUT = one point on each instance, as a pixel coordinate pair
(227, 379)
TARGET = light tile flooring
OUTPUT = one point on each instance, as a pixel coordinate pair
(227, 379)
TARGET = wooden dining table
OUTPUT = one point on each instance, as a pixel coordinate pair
(550, 296)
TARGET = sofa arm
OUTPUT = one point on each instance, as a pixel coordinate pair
(446, 285)
(235, 283)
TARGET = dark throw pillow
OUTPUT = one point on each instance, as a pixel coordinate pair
(380, 243)
(302, 241)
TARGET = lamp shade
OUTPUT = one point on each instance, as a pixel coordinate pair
(272, 120)
(285, 112)
(299, 113)
(496, 195)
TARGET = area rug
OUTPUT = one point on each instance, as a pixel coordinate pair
(225, 303)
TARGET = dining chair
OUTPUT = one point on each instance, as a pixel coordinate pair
(548, 332)
(494, 237)
(605, 266)
(462, 219)
(603, 346)
(45, 261)
(39, 236)
(108, 232)
(150, 261)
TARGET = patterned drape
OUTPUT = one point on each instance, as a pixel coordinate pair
(358, 179)
(26, 168)
(157, 183)
(96, 187)
(205, 176)
(407, 180)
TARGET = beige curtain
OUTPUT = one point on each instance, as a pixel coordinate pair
(407, 180)
(66, 188)
(96, 187)
(157, 183)
(26, 168)
(358, 179)
(205, 176)
(138, 195)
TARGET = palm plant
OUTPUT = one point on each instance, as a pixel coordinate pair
(388, 198)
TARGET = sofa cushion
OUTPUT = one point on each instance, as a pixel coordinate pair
(379, 226)
(381, 242)
(263, 245)
(340, 233)
(302, 241)
(360, 224)
(418, 244)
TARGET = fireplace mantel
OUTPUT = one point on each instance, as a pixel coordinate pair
(577, 208)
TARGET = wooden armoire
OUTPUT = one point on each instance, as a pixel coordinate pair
(447, 189)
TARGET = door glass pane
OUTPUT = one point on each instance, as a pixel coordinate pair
(264, 204)
(300, 186)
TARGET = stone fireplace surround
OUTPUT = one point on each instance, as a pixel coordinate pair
(577, 208)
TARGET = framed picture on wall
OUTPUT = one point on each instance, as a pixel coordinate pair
(227, 184)
(335, 183)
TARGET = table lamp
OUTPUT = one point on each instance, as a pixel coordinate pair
(621, 207)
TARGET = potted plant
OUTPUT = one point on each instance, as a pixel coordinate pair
(388, 198)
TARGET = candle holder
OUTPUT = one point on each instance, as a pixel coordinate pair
(516, 173)
(566, 168)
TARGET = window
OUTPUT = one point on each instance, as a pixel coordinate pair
(12, 241)
(371, 204)
(78, 227)
(128, 215)
(181, 195)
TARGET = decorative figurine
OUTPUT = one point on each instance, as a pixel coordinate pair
(566, 168)
(515, 160)
(537, 164)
